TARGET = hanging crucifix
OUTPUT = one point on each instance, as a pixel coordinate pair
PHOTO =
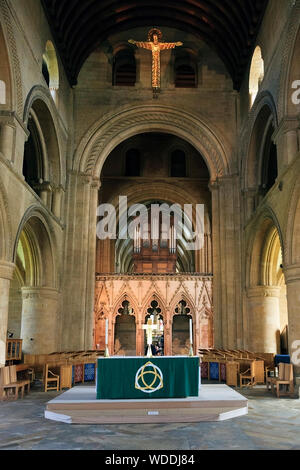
(155, 45)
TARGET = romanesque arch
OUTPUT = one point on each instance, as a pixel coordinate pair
(40, 107)
(111, 130)
(35, 257)
(266, 289)
(263, 114)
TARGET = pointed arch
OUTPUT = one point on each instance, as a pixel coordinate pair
(118, 303)
(147, 303)
(182, 295)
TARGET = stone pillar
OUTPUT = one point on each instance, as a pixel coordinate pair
(140, 348)
(40, 320)
(264, 319)
(168, 327)
(286, 139)
(81, 209)
(227, 269)
(7, 135)
(57, 201)
(6, 276)
(292, 278)
(91, 262)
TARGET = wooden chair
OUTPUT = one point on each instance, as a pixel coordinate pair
(271, 381)
(248, 376)
(232, 369)
(51, 380)
(285, 378)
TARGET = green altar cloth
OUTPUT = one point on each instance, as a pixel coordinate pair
(147, 378)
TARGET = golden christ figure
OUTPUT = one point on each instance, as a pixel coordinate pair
(153, 44)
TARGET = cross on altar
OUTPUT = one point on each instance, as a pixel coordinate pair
(149, 327)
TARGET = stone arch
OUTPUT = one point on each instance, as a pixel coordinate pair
(263, 113)
(265, 225)
(13, 69)
(112, 129)
(38, 297)
(183, 296)
(39, 101)
(266, 289)
(42, 245)
(168, 193)
(154, 296)
(118, 303)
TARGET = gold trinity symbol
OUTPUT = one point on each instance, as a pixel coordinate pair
(153, 374)
(153, 44)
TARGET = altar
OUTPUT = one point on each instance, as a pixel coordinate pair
(120, 378)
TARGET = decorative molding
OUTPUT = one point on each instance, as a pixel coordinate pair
(112, 129)
(263, 291)
(14, 57)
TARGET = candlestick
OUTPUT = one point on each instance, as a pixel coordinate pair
(106, 352)
(106, 331)
(191, 352)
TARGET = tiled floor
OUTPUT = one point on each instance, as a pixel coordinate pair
(271, 424)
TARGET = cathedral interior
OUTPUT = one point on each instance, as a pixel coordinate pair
(82, 124)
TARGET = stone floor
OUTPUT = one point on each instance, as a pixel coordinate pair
(272, 424)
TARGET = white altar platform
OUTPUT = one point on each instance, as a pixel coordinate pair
(80, 406)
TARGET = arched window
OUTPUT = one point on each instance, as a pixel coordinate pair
(124, 68)
(50, 68)
(2, 92)
(33, 169)
(178, 164)
(269, 165)
(256, 74)
(133, 163)
(185, 77)
(185, 69)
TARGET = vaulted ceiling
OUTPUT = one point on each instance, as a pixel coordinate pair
(229, 27)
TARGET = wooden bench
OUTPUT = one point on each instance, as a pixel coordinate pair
(9, 385)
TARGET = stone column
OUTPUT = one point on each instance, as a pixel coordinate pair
(168, 327)
(57, 201)
(292, 278)
(227, 269)
(7, 135)
(264, 319)
(91, 262)
(6, 276)
(80, 255)
(139, 338)
(286, 139)
(40, 325)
